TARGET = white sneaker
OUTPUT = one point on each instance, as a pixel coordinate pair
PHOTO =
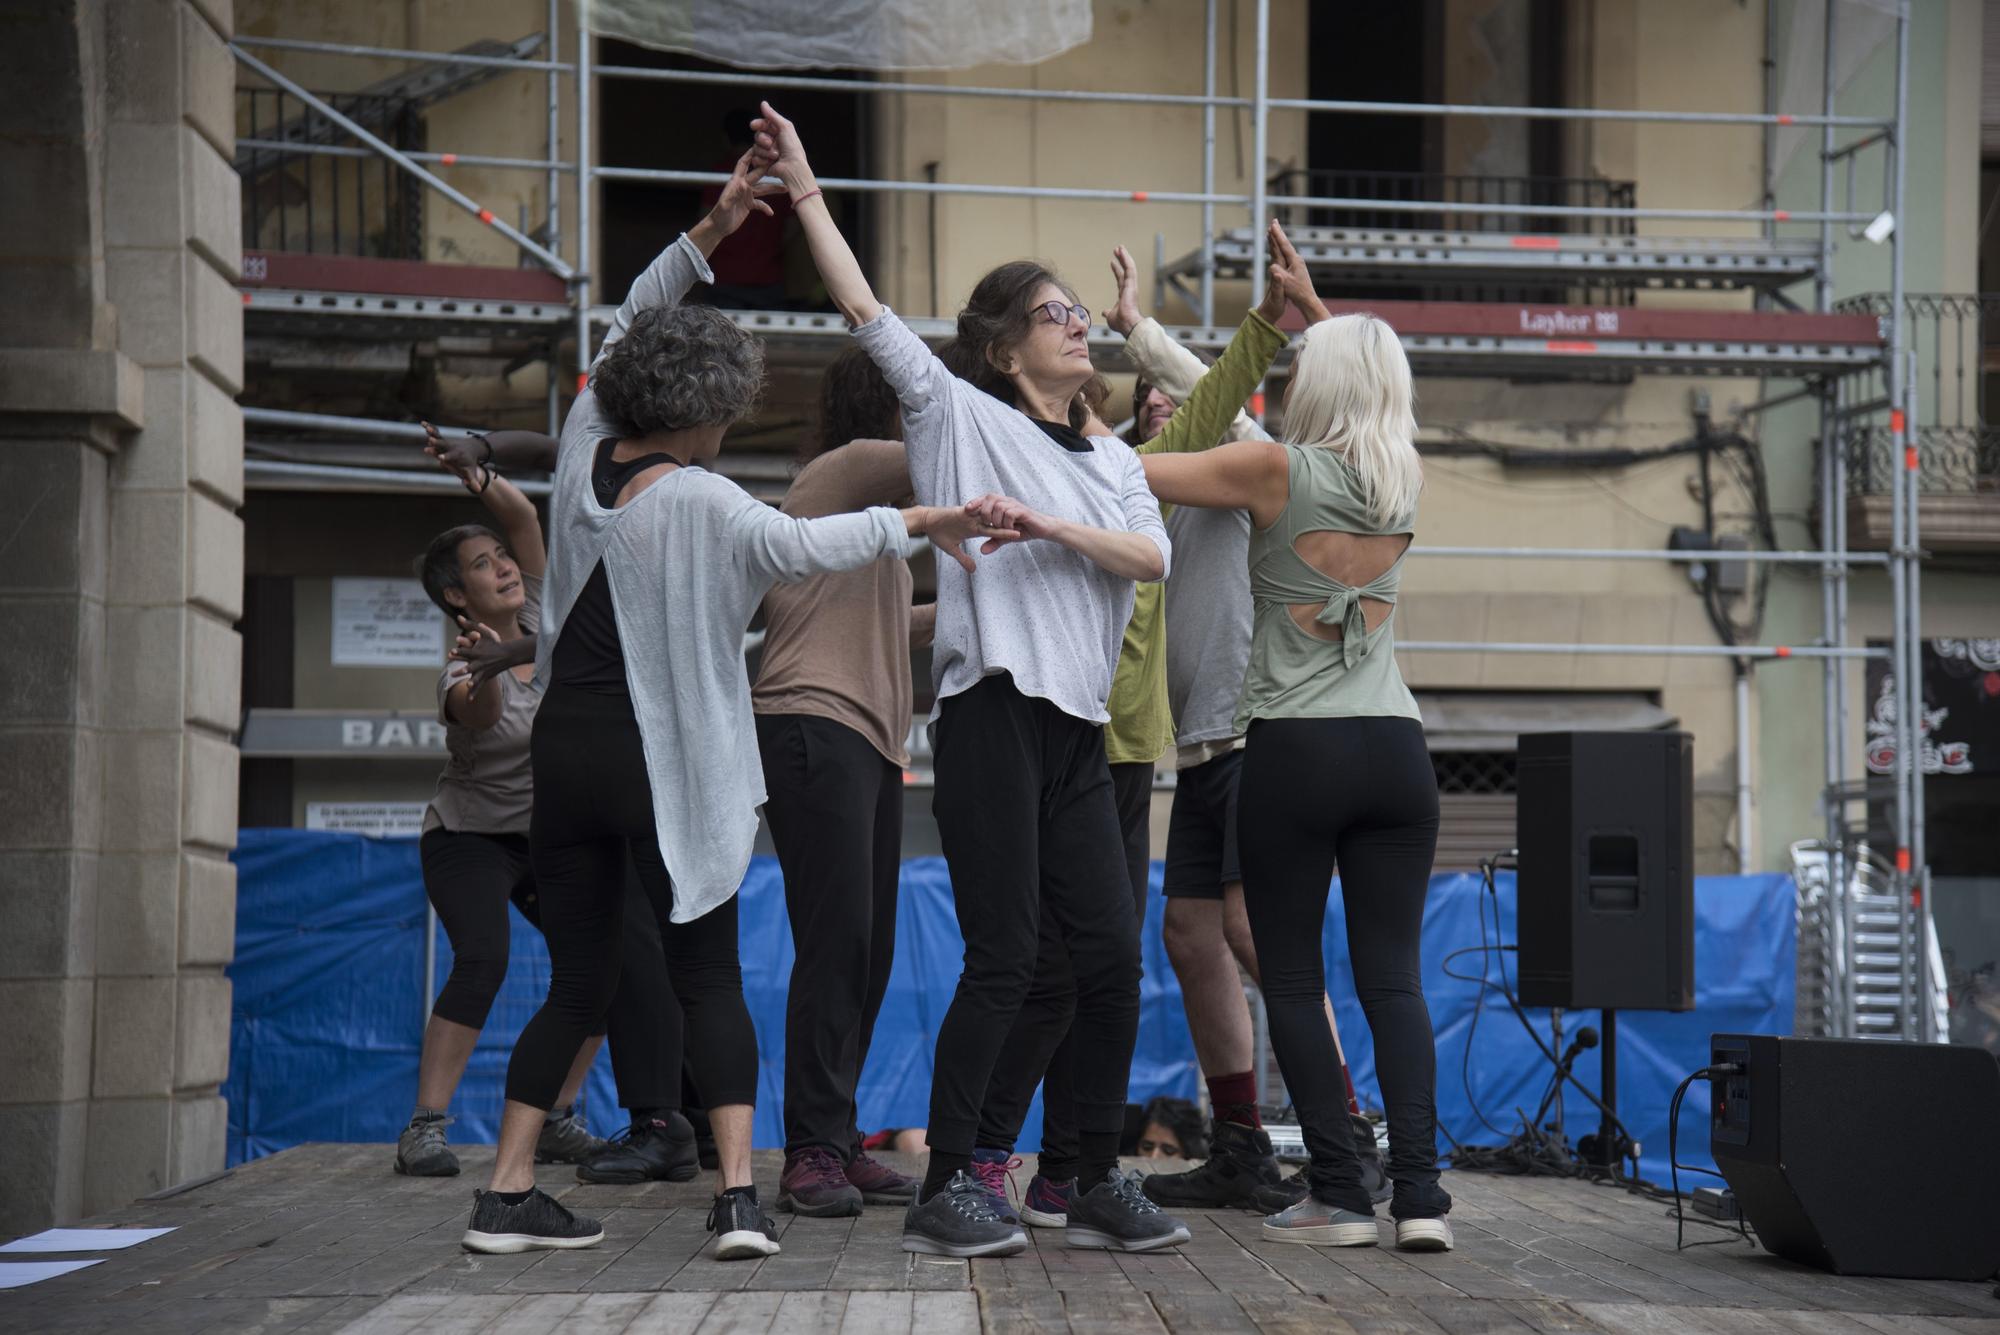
(1317, 1224)
(1423, 1235)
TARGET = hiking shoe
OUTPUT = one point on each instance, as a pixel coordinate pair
(878, 1183)
(1239, 1162)
(960, 1219)
(1283, 1194)
(540, 1221)
(1318, 1224)
(814, 1183)
(565, 1139)
(1423, 1235)
(421, 1151)
(742, 1229)
(1046, 1204)
(993, 1170)
(656, 1150)
(1115, 1216)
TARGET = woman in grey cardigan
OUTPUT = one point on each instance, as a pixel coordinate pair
(644, 745)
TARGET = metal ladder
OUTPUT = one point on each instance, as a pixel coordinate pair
(1868, 959)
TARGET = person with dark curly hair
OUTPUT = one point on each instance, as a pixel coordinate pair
(644, 745)
(833, 700)
(1022, 662)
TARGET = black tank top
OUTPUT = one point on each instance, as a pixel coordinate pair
(589, 655)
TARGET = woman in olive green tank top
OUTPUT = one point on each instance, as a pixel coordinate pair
(1335, 766)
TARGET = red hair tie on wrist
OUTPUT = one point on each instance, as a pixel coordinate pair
(806, 196)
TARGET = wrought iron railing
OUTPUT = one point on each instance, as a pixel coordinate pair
(338, 199)
(1519, 200)
(1956, 336)
(1960, 460)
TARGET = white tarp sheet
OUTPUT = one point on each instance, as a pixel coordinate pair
(850, 34)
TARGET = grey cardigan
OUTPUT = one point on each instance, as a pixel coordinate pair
(689, 559)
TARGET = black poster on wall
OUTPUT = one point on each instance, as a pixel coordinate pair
(1959, 732)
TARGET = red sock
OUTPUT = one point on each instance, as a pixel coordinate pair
(1234, 1098)
(1353, 1104)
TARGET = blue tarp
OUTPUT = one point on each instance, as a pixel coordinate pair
(329, 1004)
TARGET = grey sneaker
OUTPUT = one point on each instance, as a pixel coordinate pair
(1317, 1224)
(537, 1223)
(421, 1151)
(960, 1219)
(1423, 1235)
(1115, 1216)
(565, 1139)
(742, 1230)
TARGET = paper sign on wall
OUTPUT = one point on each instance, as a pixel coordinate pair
(385, 623)
(380, 819)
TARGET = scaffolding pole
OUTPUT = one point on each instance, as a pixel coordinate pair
(1207, 165)
(585, 187)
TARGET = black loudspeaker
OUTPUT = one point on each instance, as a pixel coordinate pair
(1863, 1157)
(1606, 883)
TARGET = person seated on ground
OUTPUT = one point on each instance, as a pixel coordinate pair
(1166, 1128)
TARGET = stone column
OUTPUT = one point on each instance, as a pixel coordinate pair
(121, 574)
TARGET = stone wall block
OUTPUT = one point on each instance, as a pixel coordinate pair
(214, 441)
(138, 912)
(41, 1161)
(40, 547)
(208, 82)
(45, 1044)
(131, 1144)
(143, 175)
(209, 792)
(148, 286)
(208, 909)
(201, 1039)
(134, 1055)
(51, 901)
(215, 558)
(214, 317)
(149, 542)
(214, 675)
(144, 667)
(211, 205)
(201, 1138)
(142, 779)
(39, 660)
(38, 782)
(157, 457)
(142, 61)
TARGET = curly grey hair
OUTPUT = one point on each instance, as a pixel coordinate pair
(679, 367)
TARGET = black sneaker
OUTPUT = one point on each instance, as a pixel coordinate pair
(960, 1219)
(658, 1150)
(1287, 1192)
(538, 1222)
(742, 1229)
(1239, 1162)
(565, 1139)
(421, 1151)
(1115, 1216)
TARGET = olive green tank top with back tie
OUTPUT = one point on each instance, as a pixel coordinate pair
(1293, 674)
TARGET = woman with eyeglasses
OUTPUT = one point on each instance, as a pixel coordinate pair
(1022, 662)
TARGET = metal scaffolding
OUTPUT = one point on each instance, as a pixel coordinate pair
(1858, 382)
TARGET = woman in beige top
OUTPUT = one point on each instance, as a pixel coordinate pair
(833, 700)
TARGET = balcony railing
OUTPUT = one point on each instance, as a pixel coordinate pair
(1957, 340)
(338, 199)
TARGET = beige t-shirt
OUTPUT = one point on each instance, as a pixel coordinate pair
(487, 786)
(838, 646)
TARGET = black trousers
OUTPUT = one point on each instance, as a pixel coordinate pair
(593, 812)
(836, 815)
(1038, 1047)
(1361, 790)
(1029, 825)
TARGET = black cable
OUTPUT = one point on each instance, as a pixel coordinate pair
(1675, 1165)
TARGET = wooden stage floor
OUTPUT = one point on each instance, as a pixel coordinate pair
(326, 1238)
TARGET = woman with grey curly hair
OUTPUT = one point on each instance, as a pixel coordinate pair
(644, 745)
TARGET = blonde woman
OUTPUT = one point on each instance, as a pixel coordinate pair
(1334, 764)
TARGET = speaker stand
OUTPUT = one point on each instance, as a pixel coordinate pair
(1607, 1148)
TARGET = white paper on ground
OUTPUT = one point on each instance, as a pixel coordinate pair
(14, 1274)
(84, 1240)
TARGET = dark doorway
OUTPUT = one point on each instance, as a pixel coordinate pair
(679, 127)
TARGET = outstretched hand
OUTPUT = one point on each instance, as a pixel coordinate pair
(464, 459)
(779, 139)
(1291, 279)
(485, 654)
(950, 527)
(1124, 316)
(744, 190)
(1015, 521)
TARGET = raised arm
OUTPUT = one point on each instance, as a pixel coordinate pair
(513, 512)
(1251, 475)
(838, 269)
(1204, 418)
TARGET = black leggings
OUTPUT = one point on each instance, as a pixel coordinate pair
(1361, 790)
(1030, 831)
(593, 811)
(836, 818)
(1043, 1025)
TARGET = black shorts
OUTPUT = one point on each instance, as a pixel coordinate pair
(1201, 831)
